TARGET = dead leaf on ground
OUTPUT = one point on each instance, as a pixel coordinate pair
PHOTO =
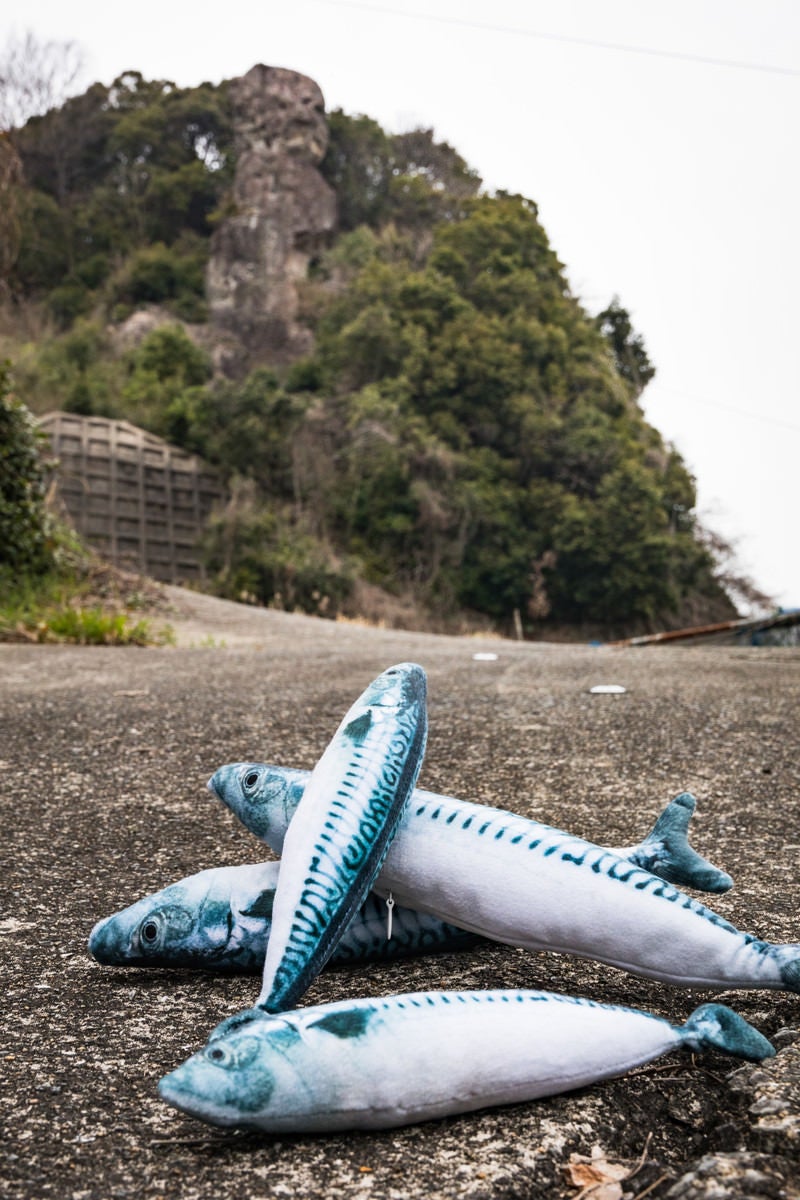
(596, 1176)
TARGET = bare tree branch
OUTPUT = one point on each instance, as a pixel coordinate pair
(728, 571)
(36, 76)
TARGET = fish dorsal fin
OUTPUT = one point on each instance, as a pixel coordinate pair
(347, 1023)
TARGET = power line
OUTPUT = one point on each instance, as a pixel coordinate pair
(518, 31)
(765, 419)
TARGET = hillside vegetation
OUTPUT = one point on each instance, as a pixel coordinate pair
(463, 433)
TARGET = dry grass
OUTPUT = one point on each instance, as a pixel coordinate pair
(373, 606)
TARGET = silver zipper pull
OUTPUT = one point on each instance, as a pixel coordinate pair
(389, 907)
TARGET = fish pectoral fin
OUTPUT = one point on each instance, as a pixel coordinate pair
(666, 851)
(262, 905)
(359, 727)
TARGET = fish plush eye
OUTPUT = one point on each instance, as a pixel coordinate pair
(217, 1055)
(150, 932)
(250, 780)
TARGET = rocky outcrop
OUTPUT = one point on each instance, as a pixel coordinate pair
(284, 214)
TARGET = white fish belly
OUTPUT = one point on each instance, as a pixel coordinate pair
(556, 892)
(465, 1054)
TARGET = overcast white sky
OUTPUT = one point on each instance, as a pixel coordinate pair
(672, 182)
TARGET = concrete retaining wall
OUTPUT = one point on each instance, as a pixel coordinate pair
(139, 501)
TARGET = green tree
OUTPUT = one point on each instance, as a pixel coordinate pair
(616, 558)
(630, 356)
(357, 165)
(247, 429)
(379, 177)
(163, 373)
(557, 496)
(24, 527)
(112, 172)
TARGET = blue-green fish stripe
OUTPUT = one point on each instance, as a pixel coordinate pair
(378, 1063)
(343, 828)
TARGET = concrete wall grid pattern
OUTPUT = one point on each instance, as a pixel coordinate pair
(139, 501)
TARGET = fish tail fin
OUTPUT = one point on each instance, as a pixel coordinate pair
(666, 851)
(715, 1026)
(790, 968)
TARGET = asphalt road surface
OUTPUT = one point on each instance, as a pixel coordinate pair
(104, 755)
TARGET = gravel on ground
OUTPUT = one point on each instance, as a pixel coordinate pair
(104, 756)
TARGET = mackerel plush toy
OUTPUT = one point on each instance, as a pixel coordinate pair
(373, 1064)
(220, 920)
(527, 884)
(265, 798)
(342, 829)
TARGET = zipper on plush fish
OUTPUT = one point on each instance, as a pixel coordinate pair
(378, 1063)
(342, 829)
(220, 920)
(530, 885)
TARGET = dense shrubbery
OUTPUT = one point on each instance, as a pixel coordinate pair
(262, 552)
(475, 439)
(24, 535)
(463, 431)
(121, 188)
